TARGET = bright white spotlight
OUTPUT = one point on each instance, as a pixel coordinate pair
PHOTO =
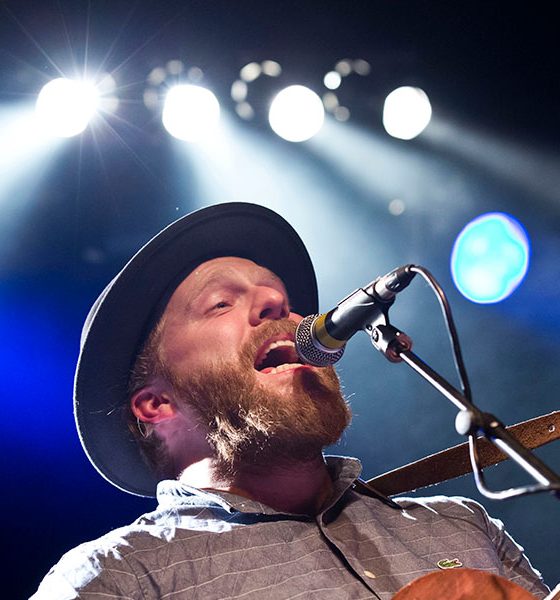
(296, 113)
(332, 80)
(190, 112)
(406, 112)
(65, 106)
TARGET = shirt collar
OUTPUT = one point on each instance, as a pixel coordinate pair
(344, 471)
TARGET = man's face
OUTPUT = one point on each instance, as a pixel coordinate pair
(228, 345)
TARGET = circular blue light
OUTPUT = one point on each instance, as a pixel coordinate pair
(490, 258)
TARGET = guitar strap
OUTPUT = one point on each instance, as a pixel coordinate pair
(455, 461)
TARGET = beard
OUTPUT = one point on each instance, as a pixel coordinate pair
(249, 424)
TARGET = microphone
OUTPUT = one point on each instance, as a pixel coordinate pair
(321, 339)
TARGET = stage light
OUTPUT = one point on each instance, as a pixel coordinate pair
(490, 258)
(64, 107)
(406, 112)
(296, 113)
(190, 112)
(332, 80)
(248, 105)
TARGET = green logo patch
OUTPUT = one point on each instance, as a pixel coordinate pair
(449, 563)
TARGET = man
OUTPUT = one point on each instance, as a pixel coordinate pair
(188, 380)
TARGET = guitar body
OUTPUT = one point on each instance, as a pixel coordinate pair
(462, 584)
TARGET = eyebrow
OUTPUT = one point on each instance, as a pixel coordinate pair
(225, 276)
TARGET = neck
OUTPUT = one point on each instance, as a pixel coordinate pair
(300, 488)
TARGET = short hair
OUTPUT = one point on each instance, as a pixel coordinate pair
(149, 365)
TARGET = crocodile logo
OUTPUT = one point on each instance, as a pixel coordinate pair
(449, 563)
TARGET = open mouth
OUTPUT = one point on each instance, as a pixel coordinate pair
(276, 356)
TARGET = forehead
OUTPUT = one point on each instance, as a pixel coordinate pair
(229, 266)
(222, 270)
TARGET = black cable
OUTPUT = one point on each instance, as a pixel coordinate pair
(451, 329)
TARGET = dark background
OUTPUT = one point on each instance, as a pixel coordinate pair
(70, 218)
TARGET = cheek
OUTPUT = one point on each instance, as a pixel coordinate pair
(200, 345)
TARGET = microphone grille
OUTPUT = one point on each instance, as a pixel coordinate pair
(307, 346)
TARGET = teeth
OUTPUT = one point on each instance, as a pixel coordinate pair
(283, 367)
(279, 344)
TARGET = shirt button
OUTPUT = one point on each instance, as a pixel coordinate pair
(369, 574)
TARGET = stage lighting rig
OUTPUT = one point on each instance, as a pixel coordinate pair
(293, 102)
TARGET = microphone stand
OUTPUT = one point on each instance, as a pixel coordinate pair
(470, 421)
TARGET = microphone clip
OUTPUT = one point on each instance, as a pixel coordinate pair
(389, 340)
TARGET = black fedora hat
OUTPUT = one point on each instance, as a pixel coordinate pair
(125, 312)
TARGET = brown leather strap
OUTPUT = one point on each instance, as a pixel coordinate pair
(455, 462)
(555, 594)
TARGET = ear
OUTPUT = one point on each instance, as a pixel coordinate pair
(153, 404)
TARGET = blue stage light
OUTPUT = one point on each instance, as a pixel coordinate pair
(490, 258)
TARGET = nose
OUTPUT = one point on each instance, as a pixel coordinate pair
(268, 303)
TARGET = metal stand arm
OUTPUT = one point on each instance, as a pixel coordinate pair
(470, 421)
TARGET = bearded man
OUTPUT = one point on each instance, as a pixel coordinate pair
(189, 386)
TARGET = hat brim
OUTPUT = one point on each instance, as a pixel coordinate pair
(130, 305)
